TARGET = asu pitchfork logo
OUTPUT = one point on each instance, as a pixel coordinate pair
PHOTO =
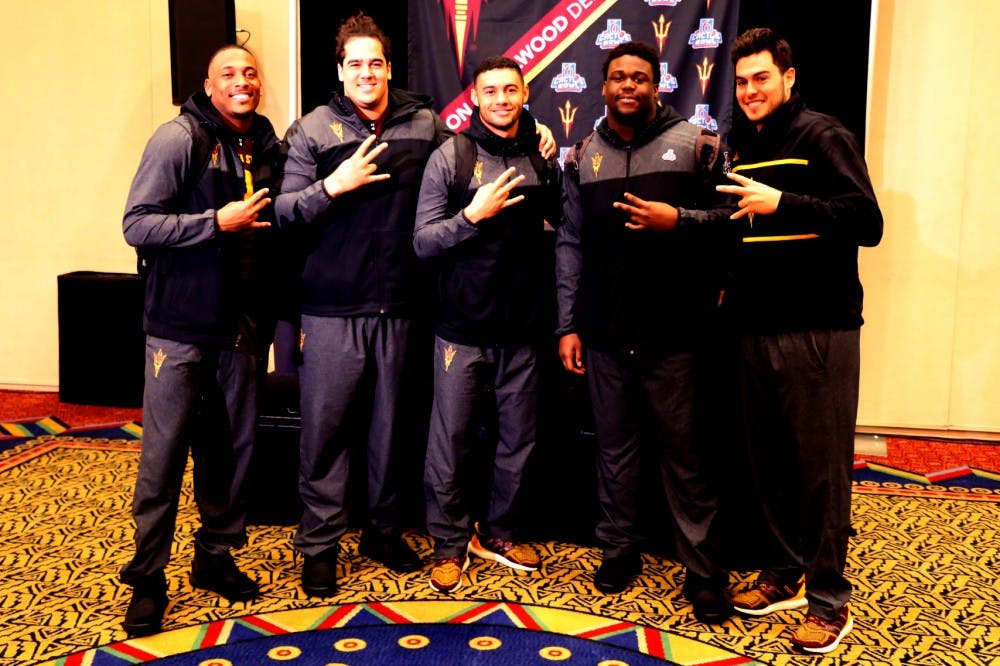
(459, 16)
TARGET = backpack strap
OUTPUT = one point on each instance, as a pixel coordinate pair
(202, 146)
(465, 162)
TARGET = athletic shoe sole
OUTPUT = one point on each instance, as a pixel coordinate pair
(784, 604)
(487, 554)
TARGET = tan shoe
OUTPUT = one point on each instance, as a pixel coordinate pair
(446, 573)
(764, 598)
(821, 636)
(515, 555)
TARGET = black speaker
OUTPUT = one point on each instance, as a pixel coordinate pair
(101, 342)
(197, 29)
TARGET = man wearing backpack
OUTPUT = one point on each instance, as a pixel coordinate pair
(484, 200)
(637, 281)
(195, 212)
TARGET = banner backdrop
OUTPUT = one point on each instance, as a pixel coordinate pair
(561, 45)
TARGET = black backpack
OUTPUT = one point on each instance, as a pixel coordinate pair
(465, 162)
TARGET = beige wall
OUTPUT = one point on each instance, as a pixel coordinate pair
(85, 84)
(931, 345)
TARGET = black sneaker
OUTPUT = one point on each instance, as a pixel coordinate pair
(319, 574)
(616, 573)
(219, 573)
(391, 551)
(708, 598)
(144, 615)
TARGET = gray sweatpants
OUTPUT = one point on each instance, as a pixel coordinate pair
(203, 399)
(800, 405)
(460, 374)
(338, 353)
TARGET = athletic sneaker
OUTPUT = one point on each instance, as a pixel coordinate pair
(515, 555)
(821, 636)
(764, 598)
(446, 573)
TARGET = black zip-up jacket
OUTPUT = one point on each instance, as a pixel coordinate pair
(640, 290)
(491, 275)
(361, 261)
(201, 284)
(797, 269)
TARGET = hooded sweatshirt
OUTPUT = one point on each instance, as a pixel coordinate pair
(638, 290)
(202, 283)
(360, 261)
(491, 282)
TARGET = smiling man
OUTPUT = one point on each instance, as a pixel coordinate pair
(196, 212)
(805, 206)
(484, 225)
(636, 281)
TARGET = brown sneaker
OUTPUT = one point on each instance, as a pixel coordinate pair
(515, 555)
(446, 573)
(821, 636)
(764, 598)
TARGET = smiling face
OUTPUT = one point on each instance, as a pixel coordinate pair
(233, 85)
(760, 87)
(500, 95)
(366, 74)
(630, 91)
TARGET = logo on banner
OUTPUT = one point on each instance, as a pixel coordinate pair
(701, 118)
(663, 3)
(459, 15)
(706, 36)
(568, 80)
(567, 114)
(612, 36)
(704, 73)
(668, 82)
(660, 28)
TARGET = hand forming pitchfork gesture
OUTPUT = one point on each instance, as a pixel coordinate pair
(756, 197)
(357, 170)
(491, 198)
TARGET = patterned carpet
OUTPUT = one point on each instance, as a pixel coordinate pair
(924, 565)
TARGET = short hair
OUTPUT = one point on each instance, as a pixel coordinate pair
(756, 40)
(497, 62)
(639, 50)
(223, 49)
(361, 25)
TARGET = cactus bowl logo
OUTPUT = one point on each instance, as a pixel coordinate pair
(668, 82)
(706, 36)
(701, 118)
(612, 36)
(568, 80)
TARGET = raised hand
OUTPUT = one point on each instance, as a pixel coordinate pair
(240, 215)
(755, 197)
(648, 214)
(357, 170)
(492, 197)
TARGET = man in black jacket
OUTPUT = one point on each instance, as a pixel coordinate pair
(636, 283)
(807, 204)
(485, 227)
(195, 211)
